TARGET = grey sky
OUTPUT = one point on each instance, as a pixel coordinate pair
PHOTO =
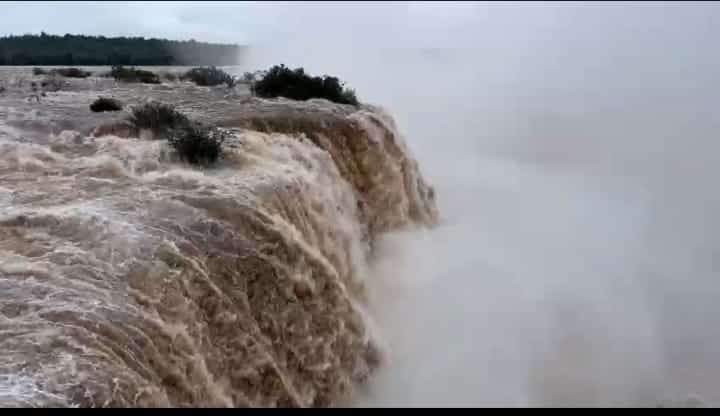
(593, 34)
(419, 24)
(242, 22)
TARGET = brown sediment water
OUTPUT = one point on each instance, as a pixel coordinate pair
(128, 278)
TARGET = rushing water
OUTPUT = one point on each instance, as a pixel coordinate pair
(131, 279)
(575, 263)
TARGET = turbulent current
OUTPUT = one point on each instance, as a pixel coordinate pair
(128, 278)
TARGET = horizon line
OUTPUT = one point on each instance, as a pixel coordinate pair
(4, 36)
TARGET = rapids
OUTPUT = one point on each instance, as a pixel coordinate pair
(130, 279)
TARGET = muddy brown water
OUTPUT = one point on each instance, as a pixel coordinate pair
(128, 278)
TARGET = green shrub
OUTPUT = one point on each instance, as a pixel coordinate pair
(158, 117)
(197, 144)
(65, 72)
(281, 81)
(209, 77)
(121, 73)
(71, 72)
(105, 104)
(194, 142)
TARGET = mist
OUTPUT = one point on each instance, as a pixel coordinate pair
(573, 151)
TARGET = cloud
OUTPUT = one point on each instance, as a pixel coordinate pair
(495, 25)
(371, 24)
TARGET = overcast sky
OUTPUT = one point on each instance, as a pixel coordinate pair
(241, 22)
(419, 24)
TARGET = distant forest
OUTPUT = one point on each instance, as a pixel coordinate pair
(82, 50)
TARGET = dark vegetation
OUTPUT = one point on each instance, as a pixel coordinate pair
(65, 72)
(82, 50)
(105, 104)
(194, 142)
(71, 72)
(281, 81)
(124, 74)
(209, 77)
(160, 118)
(197, 144)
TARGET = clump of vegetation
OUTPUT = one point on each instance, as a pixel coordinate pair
(209, 77)
(158, 117)
(194, 142)
(281, 81)
(71, 72)
(197, 144)
(103, 104)
(65, 72)
(124, 74)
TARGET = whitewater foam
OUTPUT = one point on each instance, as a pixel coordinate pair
(131, 279)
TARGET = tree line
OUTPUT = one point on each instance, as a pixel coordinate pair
(84, 50)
